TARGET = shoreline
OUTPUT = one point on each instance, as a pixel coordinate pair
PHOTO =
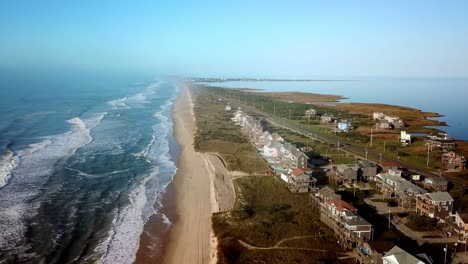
(197, 190)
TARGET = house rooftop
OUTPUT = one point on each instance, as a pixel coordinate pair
(437, 180)
(342, 205)
(398, 255)
(296, 153)
(365, 164)
(388, 164)
(407, 185)
(357, 221)
(343, 167)
(297, 172)
(438, 196)
(326, 191)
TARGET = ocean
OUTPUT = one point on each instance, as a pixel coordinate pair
(84, 162)
(446, 96)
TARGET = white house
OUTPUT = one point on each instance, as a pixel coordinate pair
(405, 138)
(272, 149)
(378, 115)
(344, 126)
(228, 107)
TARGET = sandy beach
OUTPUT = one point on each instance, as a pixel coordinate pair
(189, 238)
(201, 186)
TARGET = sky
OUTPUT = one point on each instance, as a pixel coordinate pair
(292, 39)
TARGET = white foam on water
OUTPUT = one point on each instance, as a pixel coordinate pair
(123, 239)
(87, 175)
(119, 103)
(8, 163)
(36, 163)
(166, 219)
(138, 98)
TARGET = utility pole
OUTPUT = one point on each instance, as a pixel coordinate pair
(389, 217)
(366, 153)
(427, 163)
(371, 137)
(445, 257)
(380, 155)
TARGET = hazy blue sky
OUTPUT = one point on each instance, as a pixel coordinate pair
(238, 38)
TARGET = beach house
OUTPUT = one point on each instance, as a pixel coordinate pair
(459, 224)
(297, 159)
(398, 256)
(344, 126)
(405, 138)
(300, 182)
(435, 205)
(367, 170)
(343, 174)
(310, 113)
(440, 140)
(452, 161)
(436, 184)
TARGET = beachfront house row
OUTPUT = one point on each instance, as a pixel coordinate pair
(435, 205)
(398, 256)
(436, 184)
(452, 161)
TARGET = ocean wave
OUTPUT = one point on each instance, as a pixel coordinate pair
(87, 175)
(139, 98)
(119, 103)
(128, 223)
(36, 164)
(8, 163)
(123, 239)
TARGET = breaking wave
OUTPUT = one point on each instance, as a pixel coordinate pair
(145, 200)
(33, 168)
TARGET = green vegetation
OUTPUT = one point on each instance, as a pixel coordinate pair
(216, 132)
(421, 223)
(268, 215)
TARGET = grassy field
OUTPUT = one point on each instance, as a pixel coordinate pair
(216, 132)
(269, 224)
